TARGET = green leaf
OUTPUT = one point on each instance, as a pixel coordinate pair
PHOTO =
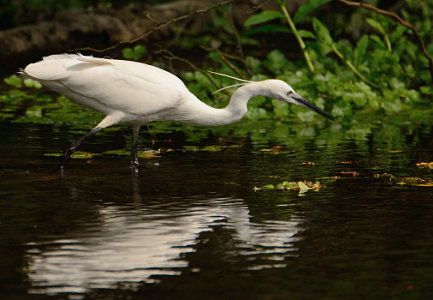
(305, 9)
(32, 83)
(427, 90)
(306, 34)
(392, 106)
(322, 32)
(139, 51)
(378, 40)
(14, 81)
(276, 61)
(266, 28)
(360, 50)
(268, 187)
(263, 17)
(397, 33)
(128, 53)
(281, 109)
(376, 25)
(134, 54)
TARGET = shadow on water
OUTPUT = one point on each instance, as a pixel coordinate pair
(189, 225)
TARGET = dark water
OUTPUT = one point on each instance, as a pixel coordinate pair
(189, 225)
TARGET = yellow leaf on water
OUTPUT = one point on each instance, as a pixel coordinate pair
(82, 155)
(302, 187)
(395, 151)
(149, 154)
(425, 165)
(425, 184)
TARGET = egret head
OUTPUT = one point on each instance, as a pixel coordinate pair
(280, 90)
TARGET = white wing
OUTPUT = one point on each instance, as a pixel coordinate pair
(109, 85)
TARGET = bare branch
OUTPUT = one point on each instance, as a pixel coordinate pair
(156, 27)
(193, 66)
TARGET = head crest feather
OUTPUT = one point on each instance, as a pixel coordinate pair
(243, 81)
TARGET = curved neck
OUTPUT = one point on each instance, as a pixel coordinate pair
(233, 112)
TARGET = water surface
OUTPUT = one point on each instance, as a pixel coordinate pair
(191, 225)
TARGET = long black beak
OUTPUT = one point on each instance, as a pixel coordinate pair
(311, 106)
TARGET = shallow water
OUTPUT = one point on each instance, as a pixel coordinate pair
(190, 224)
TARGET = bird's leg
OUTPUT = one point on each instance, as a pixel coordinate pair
(77, 143)
(134, 157)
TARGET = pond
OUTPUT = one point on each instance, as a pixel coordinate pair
(199, 220)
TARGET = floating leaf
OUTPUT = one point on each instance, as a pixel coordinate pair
(403, 180)
(82, 155)
(302, 187)
(53, 154)
(117, 152)
(425, 165)
(213, 148)
(395, 151)
(268, 187)
(149, 154)
(76, 155)
(429, 184)
(353, 173)
(273, 150)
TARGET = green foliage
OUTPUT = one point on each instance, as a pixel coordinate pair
(361, 81)
(262, 17)
(136, 53)
(14, 81)
(305, 9)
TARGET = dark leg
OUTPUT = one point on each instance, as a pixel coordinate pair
(77, 143)
(134, 157)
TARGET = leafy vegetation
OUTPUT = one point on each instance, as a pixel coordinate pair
(301, 186)
(363, 68)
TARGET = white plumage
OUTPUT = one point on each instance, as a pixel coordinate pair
(126, 91)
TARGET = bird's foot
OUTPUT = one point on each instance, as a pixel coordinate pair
(134, 168)
(134, 164)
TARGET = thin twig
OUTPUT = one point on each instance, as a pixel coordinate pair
(236, 34)
(232, 66)
(225, 58)
(156, 28)
(193, 66)
(401, 21)
(298, 37)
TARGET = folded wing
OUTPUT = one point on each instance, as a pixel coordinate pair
(108, 85)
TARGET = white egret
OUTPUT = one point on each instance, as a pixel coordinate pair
(127, 91)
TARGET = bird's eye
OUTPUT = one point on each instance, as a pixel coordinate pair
(289, 93)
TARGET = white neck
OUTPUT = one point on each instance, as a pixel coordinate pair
(203, 114)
